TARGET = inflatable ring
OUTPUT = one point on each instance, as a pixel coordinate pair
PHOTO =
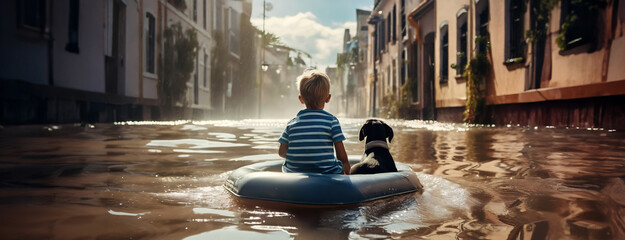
(266, 181)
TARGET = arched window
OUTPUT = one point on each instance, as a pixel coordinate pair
(461, 47)
(444, 52)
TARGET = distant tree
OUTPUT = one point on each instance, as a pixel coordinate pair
(176, 65)
(271, 39)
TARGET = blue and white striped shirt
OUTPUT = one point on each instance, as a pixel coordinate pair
(311, 136)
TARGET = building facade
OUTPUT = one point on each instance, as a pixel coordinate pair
(534, 75)
(389, 61)
(78, 60)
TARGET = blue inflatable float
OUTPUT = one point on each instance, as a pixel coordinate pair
(266, 181)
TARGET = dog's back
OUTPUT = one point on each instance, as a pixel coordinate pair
(377, 158)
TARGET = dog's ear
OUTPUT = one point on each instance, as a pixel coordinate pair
(363, 131)
(389, 131)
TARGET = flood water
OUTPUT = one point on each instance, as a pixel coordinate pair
(164, 180)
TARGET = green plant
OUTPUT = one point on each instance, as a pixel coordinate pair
(476, 74)
(578, 8)
(515, 60)
(542, 12)
(461, 54)
(401, 108)
(453, 65)
(176, 65)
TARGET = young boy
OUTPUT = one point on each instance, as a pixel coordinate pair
(309, 139)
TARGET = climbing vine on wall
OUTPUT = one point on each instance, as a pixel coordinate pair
(541, 9)
(476, 74)
(176, 65)
(542, 12)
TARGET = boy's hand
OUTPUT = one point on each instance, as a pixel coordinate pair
(282, 150)
(346, 168)
(341, 155)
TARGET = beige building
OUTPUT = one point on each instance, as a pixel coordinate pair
(535, 75)
(389, 60)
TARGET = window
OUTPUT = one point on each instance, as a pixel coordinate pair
(394, 27)
(205, 70)
(150, 38)
(481, 26)
(217, 22)
(382, 35)
(444, 52)
(515, 33)
(204, 16)
(578, 21)
(196, 94)
(195, 10)
(388, 78)
(389, 28)
(404, 66)
(233, 30)
(403, 18)
(31, 14)
(72, 31)
(461, 48)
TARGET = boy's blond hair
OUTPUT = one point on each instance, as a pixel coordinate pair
(314, 87)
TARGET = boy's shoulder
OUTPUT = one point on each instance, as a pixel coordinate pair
(292, 121)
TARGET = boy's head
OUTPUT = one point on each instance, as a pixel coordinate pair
(314, 89)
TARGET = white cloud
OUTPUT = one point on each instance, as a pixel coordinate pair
(303, 31)
(366, 7)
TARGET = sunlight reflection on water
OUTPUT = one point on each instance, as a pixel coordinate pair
(164, 180)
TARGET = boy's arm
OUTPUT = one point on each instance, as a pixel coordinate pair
(282, 150)
(342, 156)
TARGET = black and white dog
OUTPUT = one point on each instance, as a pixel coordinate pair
(377, 158)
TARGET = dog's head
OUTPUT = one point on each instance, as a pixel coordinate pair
(375, 129)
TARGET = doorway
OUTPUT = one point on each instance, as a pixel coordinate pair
(429, 100)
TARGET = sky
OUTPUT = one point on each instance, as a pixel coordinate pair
(314, 26)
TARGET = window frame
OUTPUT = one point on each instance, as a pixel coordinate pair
(444, 52)
(515, 32)
(73, 23)
(149, 50)
(41, 14)
(482, 22)
(462, 27)
(584, 34)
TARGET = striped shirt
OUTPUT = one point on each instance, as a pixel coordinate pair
(310, 137)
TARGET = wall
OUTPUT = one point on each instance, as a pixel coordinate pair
(85, 70)
(388, 77)
(452, 93)
(24, 52)
(149, 81)
(506, 80)
(572, 68)
(185, 18)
